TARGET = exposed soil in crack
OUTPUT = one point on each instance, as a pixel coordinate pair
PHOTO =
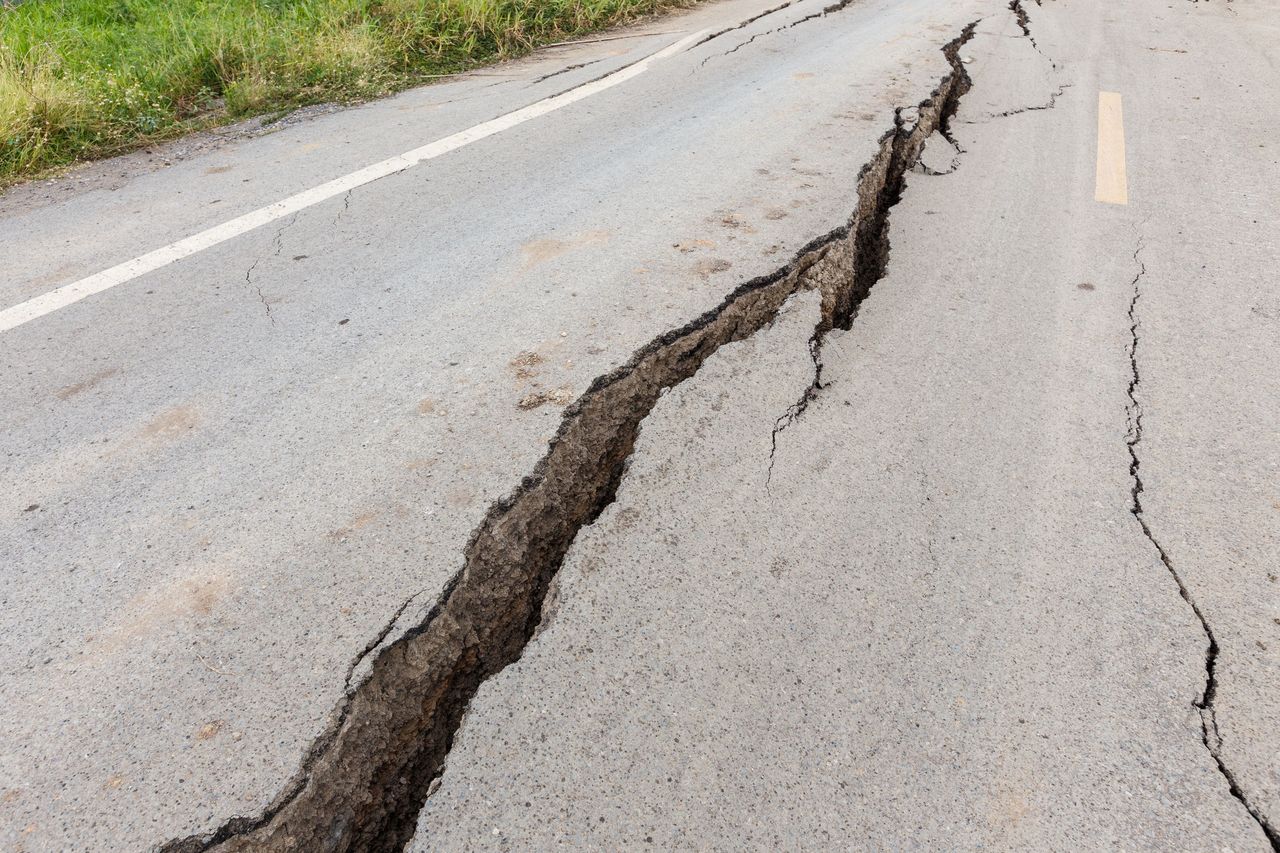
(364, 780)
(1204, 703)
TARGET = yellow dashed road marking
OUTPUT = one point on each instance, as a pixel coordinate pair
(1111, 186)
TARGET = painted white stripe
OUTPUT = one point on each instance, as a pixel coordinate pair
(69, 294)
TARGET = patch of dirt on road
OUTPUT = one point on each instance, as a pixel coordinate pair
(561, 396)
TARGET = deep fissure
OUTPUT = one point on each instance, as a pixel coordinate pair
(1204, 703)
(877, 232)
(870, 257)
(364, 780)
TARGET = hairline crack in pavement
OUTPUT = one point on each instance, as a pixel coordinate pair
(1204, 703)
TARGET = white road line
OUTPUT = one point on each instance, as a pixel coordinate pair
(69, 294)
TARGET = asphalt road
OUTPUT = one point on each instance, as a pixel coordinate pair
(794, 426)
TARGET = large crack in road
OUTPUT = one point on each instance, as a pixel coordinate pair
(869, 258)
(365, 778)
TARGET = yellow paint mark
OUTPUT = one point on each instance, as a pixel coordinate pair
(1111, 186)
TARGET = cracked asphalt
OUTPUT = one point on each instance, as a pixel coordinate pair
(1004, 576)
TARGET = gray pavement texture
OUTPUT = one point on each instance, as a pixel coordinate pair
(1007, 579)
(931, 618)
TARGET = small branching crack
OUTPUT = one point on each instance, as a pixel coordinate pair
(826, 10)
(1024, 21)
(276, 244)
(1048, 105)
(796, 409)
(739, 46)
(565, 70)
(739, 25)
(346, 206)
(377, 639)
(1204, 702)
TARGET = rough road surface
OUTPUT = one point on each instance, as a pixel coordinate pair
(776, 426)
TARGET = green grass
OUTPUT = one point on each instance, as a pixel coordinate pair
(85, 78)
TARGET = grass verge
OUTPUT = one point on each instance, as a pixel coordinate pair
(87, 78)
